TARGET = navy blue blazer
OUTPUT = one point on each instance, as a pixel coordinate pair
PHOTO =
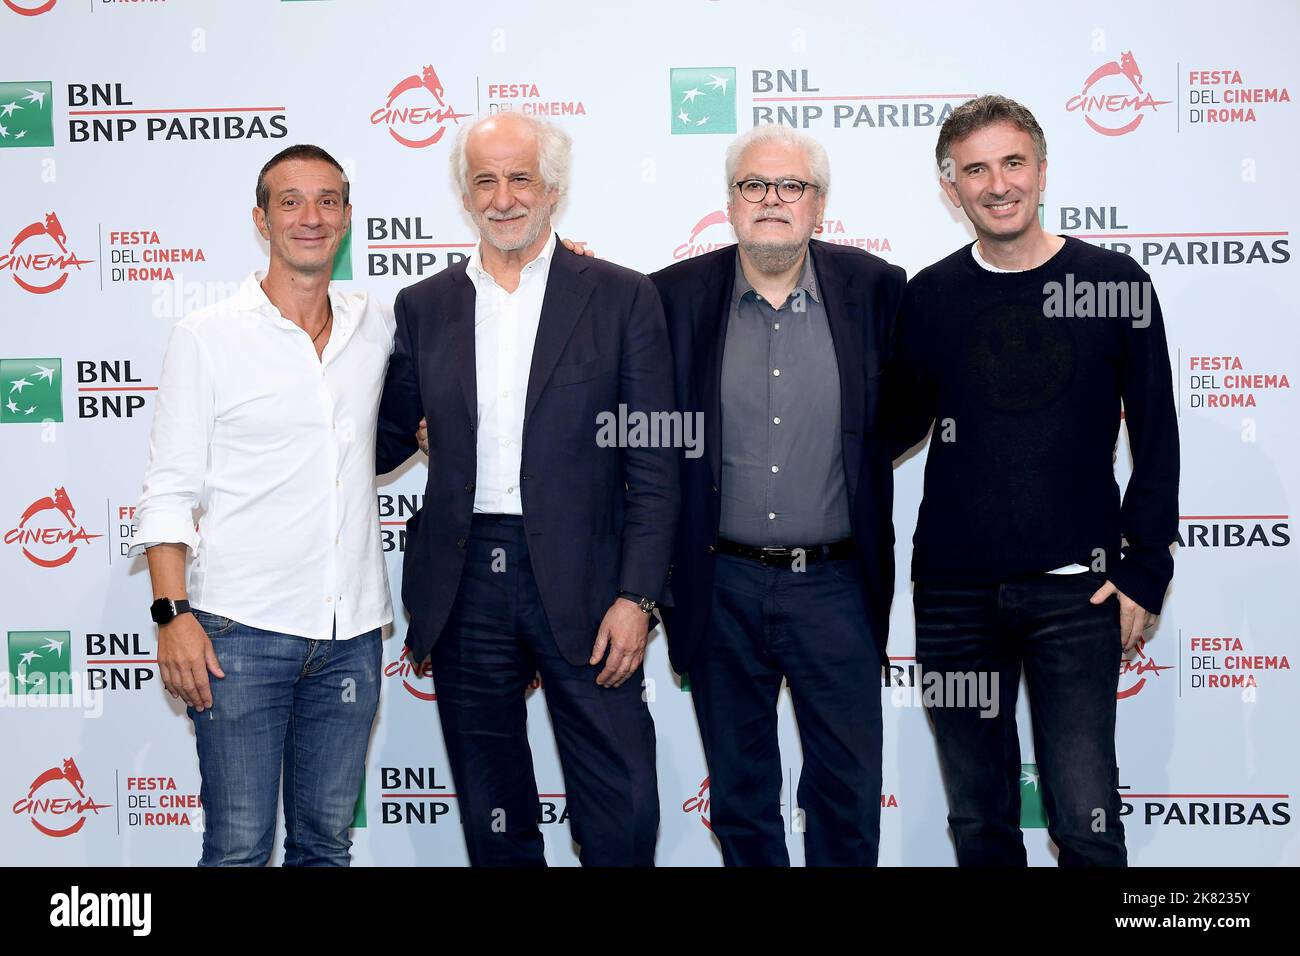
(861, 293)
(598, 519)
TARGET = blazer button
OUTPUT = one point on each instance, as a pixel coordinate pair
(710, 549)
(469, 486)
(460, 542)
(715, 489)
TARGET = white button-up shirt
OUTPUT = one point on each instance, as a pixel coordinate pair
(276, 449)
(505, 329)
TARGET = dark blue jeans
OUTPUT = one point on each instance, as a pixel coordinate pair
(496, 640)
(811, 628)
(286, 704)
(1070, 651)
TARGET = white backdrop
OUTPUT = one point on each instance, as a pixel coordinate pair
(148, 123)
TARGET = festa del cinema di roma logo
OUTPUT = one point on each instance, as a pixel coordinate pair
(57, 803)
(46, 540)
(408, 115)
(39, 258)
(1113, 101)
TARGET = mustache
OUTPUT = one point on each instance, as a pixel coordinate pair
(506, 216)
(771, 217)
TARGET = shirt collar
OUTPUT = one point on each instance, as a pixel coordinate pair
(251, 297)
(540, 264)
(807, 279)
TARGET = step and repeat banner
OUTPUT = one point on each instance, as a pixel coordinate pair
(131, 135)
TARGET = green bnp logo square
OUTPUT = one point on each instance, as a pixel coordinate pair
(343, 258)
(1032, 814)
(31, 390)
(39, 662)
(703, 99)
(26, 114)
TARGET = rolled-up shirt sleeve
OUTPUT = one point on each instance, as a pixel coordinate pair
(178, 446)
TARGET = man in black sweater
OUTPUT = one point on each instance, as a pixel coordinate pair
(1021, 349)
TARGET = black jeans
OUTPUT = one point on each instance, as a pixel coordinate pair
(809, 627)
(1070, 651)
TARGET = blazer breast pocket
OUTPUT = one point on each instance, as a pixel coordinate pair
(578, 372)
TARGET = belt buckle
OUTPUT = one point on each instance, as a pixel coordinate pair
(774, 557)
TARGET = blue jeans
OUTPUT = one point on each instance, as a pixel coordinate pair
(1070, 651)
(810, 627)
(286, 703)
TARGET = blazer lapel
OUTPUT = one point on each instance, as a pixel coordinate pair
(567, 292)
(844, 305)
(710, 342)
(460, 338)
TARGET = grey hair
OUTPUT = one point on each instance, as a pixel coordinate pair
(818, 162)
(974, 115)
(554, 152)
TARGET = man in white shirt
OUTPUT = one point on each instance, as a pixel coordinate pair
(265, 424)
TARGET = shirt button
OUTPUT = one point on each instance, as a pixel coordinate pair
(505, 394)
(776, 325)
(777, 420)
(775, 469)
(506, 442)
(329, 600)
(510, 490)
(776, 371)
(771, 516)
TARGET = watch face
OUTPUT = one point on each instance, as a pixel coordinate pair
(162, 611)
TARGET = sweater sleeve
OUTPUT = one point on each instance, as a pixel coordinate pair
(908, 403)
(1149, 515)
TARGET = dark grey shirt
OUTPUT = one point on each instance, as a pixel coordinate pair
(782, 461)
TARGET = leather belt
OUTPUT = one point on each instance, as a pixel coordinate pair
(784, 557)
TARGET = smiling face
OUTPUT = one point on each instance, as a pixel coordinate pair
(305, 219)
(505, 193)
(997, 181)
(774, 233)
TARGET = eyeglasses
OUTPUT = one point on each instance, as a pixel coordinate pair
(787, 190)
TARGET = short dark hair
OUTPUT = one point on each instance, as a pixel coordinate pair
(986, 111)
(300, 151)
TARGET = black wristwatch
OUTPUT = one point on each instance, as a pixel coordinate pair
(644, 603)
(164, 610)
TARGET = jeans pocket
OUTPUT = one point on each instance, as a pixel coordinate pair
(214, 624)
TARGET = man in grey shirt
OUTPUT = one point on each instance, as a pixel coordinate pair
(783, 562)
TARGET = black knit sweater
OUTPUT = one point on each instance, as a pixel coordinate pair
(1026, 384)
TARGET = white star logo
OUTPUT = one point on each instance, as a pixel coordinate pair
(683, 116)
(3, 132)
(45, 373)
(701, 121)
(54, 644)
(28, 411)
(7, 108)
(1029, 778)
(20, 134)
(17, 385)
(11, 406)
(36, 96)
(689, 95)
(719, 82)
(27, 658)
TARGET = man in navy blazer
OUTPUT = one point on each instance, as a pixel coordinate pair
(783, 564)
(544, 541)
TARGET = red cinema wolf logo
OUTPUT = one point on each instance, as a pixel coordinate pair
(1105, 102)
(64, 798)
(55, 541)
(31, 269)
(414, 120)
